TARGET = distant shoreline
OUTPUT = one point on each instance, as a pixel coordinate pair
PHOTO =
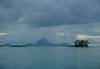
(42, 46)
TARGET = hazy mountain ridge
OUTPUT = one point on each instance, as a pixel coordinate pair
(41, 42)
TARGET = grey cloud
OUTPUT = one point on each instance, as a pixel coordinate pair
(48, 12)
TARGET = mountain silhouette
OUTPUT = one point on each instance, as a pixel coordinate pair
(43, 42)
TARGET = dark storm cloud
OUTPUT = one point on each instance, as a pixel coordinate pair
(48, 12)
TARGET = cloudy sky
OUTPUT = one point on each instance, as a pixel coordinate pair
(26, 21)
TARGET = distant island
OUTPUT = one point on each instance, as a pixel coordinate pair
(45, 42)
(41, 42)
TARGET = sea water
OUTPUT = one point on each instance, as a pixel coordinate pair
(49, 58)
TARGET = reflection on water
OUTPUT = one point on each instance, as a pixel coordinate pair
(49, 58)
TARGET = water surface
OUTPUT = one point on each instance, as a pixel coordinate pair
(49, 58)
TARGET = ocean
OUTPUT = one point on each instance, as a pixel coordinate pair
(49, 57)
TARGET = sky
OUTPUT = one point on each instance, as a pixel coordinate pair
(60, 21)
